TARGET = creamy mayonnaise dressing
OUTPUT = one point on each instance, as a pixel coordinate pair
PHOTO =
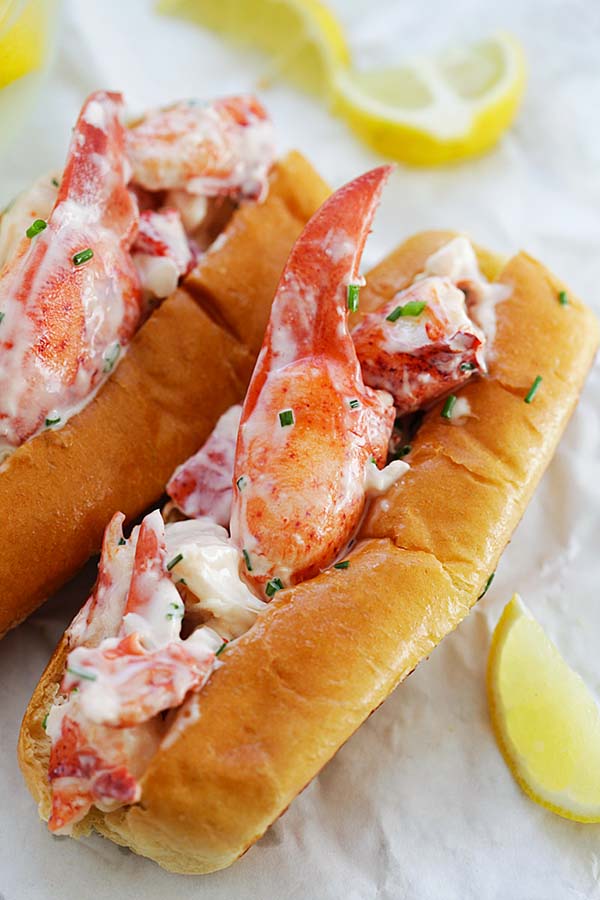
(461, 411)
(378, 481)
(35, 202)
(457, 261)
(210, 569)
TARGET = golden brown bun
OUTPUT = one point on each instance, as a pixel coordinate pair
(327, 652)
(180, 373)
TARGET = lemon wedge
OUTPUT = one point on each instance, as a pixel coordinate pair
(22, 42)
(303, 38)
(424, 112)
(437, 109)
(546, 721)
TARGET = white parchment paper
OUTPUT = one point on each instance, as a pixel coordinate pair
(418, 804)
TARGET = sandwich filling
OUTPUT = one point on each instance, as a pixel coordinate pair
(84, 255)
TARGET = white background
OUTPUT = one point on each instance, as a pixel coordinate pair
(418, 804)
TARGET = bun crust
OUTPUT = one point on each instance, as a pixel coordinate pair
(326, 653)
(182, 370)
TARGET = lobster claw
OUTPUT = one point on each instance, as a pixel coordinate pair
(309, 425)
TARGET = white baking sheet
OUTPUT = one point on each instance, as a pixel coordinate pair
(418, 804)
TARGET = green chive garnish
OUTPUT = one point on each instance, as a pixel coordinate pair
(449, 406)
(533, 389)
(87, 676)
(342, 565)
(111, 357)
(241, 482)
(246, 556)
(50, 422)
(82, 256)
(563, 298)
(395, 314)
(175, 615)
(45, 721)
(55, 182)
(122, 541)
(354, 404)
(179, 611)
(182, 581)
(286, 417)
(412, 308)
(467, 367)
(221, 648)
(353, 293)
(2, 316)
(35, 228)
(272, 586)
(174, 561)
(487, 584)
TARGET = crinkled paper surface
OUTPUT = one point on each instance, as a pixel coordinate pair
(418, 804)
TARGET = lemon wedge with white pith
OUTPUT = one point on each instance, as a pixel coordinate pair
(438, 109)
(424, 111)
(546, 720)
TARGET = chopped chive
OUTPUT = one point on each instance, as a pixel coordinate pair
(272, 586)
(353, 295)
(35, 228)
(221, 648)
(468, 367)
(533, 389)
(241, 482)
(412, 308)
(246, 556)
(50, 422)
(45, 721)
(342, 565)
(563, 298)
(354, 404)
(122, 541)
(55, 182)
(174, 561)
(487, 584)
(182, 581)
(175, 615)
(286, 417)
(449, 406)
(82, 256)
(111, 357)
(87, 676)
(2, 316)
(373, 460)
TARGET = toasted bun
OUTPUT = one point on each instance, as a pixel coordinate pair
(182, 370)
(326, 653)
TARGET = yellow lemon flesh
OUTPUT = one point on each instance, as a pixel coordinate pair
(546, 721)
(22, 42)
(303, 38)
(424, 112)
(440, 109)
